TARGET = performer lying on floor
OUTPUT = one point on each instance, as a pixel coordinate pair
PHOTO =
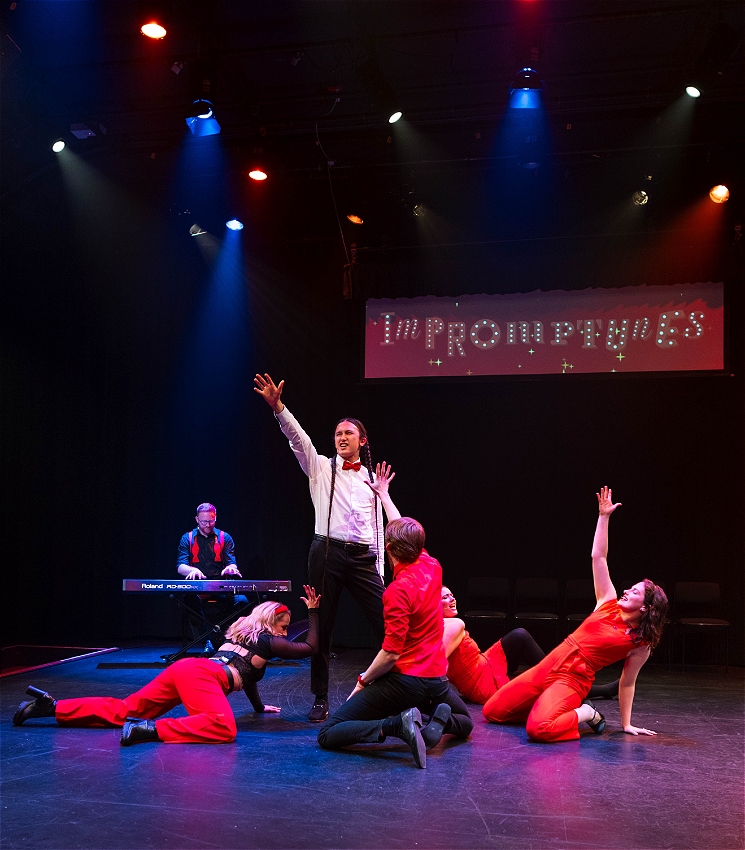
(479, 675)
(551, 697)
(201, 684)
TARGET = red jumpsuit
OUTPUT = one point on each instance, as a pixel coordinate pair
(545, 696)
(477, 675)
(200, 684)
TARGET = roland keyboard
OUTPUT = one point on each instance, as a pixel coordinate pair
(155, 585)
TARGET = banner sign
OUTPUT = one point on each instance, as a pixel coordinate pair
(631, 329)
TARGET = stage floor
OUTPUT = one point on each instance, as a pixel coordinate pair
(275, 788)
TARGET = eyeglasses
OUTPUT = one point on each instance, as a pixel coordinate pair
(206, 521)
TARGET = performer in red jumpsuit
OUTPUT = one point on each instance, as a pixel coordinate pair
(479, 675)
(550, 697)
(201, 684)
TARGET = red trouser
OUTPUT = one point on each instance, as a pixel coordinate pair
(200, 684)
(544, 697)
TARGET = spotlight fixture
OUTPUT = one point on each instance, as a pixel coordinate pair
(719, 194)
(525, 79)
(153, 17)
(526, 89)
(153, 30)
(723, 42)
(58, 146)
(200, 118)
(234, 224)
(257, 173)
(640, 197)
(355, 219)
(196, 230)
(376, 85)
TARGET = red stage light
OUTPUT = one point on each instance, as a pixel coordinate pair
(153, 29)
(719, 194)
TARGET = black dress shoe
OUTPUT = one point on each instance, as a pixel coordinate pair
(42, 706)
(411, 725)
(139, 732)
(597, 722)
(432, 732)
(320, 710)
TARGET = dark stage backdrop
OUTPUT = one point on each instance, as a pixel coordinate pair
(119, 417)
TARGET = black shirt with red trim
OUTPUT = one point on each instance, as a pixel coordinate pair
(211, 553)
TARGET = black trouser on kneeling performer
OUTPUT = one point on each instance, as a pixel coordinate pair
(360, 719)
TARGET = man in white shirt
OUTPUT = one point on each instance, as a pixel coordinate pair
(347, 548)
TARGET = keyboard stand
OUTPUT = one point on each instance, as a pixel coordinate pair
(211, 632)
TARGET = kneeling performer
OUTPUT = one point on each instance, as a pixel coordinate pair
(407, 677)
(201, 684)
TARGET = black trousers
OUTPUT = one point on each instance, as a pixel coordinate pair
(208, 611)
(358, 573)
(360, 719)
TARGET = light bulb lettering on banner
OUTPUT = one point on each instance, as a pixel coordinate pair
(632, 326)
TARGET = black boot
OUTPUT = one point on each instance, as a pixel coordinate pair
(411, 724)
(139, 732)
(433, 731)
(42, 706)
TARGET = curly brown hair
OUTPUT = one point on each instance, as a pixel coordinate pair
(654, 617)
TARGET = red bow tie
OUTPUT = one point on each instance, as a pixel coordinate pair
(355, 466)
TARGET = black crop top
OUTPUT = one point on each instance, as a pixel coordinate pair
(267, 647)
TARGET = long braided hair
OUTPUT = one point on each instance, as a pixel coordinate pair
(366, 458)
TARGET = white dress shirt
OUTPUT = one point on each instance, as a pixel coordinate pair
(355, 505)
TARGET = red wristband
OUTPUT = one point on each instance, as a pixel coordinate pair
(361, 682)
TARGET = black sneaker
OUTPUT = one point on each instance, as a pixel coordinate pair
(320, 710)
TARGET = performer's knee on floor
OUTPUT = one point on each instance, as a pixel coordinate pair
(494, 714)
(322, 742)
(225, 728)
(466, 726)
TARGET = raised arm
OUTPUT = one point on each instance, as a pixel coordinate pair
(310, 461)
(604, 590)
(383, 477)
(270, 392)
(288, 649)
(635, 660)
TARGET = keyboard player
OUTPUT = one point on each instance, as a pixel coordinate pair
(207, 552)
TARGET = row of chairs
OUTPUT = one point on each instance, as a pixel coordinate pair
(490, 601)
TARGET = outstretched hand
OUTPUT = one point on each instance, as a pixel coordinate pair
(383, 477)
(605, 502)
(269, 391)
(311, 598)
(273, 709)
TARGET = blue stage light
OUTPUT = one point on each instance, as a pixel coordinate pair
(525, 90)
(201, 119)
(234, 224)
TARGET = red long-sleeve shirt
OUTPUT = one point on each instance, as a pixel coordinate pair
(413, 618)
